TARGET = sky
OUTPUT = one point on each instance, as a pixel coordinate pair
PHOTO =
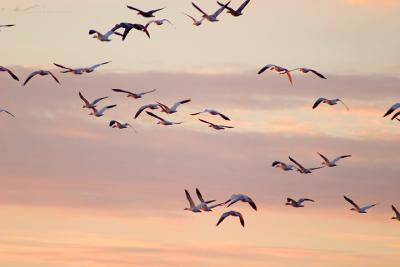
(76, 193)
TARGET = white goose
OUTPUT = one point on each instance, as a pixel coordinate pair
(195, 21)
(41, 73)
(213, 17)
(90, 104)
(240, 197)
(103, 37)
(330, 102)
(118, 125)
(303, 170)
(100, 113)
(357, 208)
(278, 69)
(216, 126)
(80, 71)
(298, 203)
(146, 14)
(173, 109)
(133, 95)
(212, 112)
(397, 217)
(283, 166)
(148, 106)
(9, 72)
(6, 111)
(161, 120)
(231, 213)
(193, 207)
(332, 163)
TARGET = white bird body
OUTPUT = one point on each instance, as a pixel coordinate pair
(103, 37)
(231, 213)
(298, 203)
(332, 163)
(357, 208)
(213, 17)
(100, 113)
(240, 197)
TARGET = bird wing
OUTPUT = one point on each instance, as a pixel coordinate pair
(98, 100)
(199, 9)
(252, 204)
(315, 168)
(223, 216)
(98, 65)
(206, 122)
(243, 5)
(352, 202)
(224, 117)
(7, 25)
(189, 198)
(123, 91)
(54, 77)
(31, 76)
(344, 104)
(176, 105)
(148, 92)
(197, 113)
(6, 111)
(265, 68)
(340, 157)
(391, 109)
(395, 211)
(319, 100)
(277, 163)
(141, 110)
(241, 218)
(233, 202)
(61, 66)
(84, 99)
(395, 115)
(368, 207)
(134, 8)
(318, 74)
(194, 20)
(155, 10)
(219, 11)
(298, 164)
(291, 200)
(289, 77)
(324, 158)
(12, 75)
(154, 115)
(229, 8)
(301, 200)
(112, 122)
(199, 195)
(163, 107)
(107, 107)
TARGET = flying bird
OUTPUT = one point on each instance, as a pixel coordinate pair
(118, 125)
(146, 14)
(357, 208)
(332, 163)
(238, 12)
(159, 22)
(212, 17)
(278, 69)
(283, 166)
(303, 170)
(80, 71)
(6, 26)
(9, 72)
(148, 106)
(231, 213)
(100, 113)
(195, 21)
(161, 120)
(193, 207)
(104, 37)
(212, 112)
(90, 104)
(397, 213)
(204, 204)
(330, 102)
(133, 95)
(307, 70)
(6, 111)
(129, 26)
(298, 203)
(41, 73)
(240, 197)
(216, 126)
(173, 109)
(392, 109)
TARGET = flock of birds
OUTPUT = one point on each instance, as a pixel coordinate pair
(203, 205)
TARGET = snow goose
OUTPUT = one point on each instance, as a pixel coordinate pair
(173, 109)
(133, 95)
(240, 197)
(118, 125)
(146, 14)
(80, 71)
(195, 21)
(332, 163)
(298, 203)
(278, 69)
(303, 170)
(357, 208)
(238, 12)
(193, 207)
(9, 72)
(231, 213)
(41, 73)
(216, 126)
(212, 112)
(104, 37)
(213, 17)
(90, 104)
(100, 113)
(330, 102)
(161, 120)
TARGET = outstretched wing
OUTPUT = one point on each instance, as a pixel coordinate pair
(107, 107)
(319, 101)
(84, 99)
(12, 75)
(6, 111)
(352, 202)
(199, 195)
(223, 216)
(154, 115)
(54, 77)
(176, 105)
(30, 77)
(98, 100)
(318, 74)
(340, 157)
(227, 7)
(122, 91)
(323, 157)
(98, 65)
(61, 66)
(224, 117)
(219, 11)
(134, 8)
(199, 9)
(298, 164)
(156, 10)
(189, 198)
(267, 67)
(240, 9)
(206, 122)
(391, 109)
(396, 211)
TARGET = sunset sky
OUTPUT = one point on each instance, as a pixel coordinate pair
(76, 193)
